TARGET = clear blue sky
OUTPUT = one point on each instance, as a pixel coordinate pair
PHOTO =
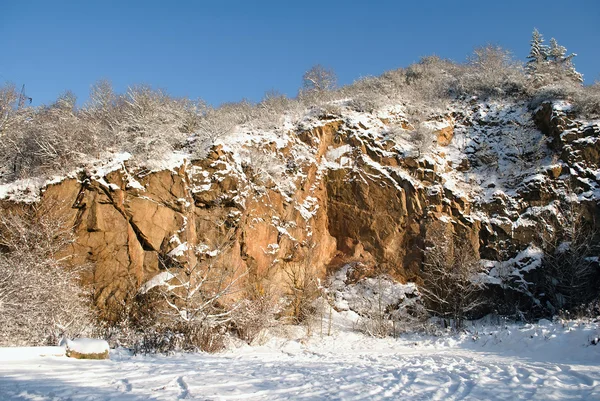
(228, 50)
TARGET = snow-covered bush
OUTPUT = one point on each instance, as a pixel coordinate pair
(491, 71)
(50, 139)
(155, 320)
(189, 337)
(429, 81)
(301, 286)
(368, 94)
(273, 109)
(553, 92)
(189, 306)
(367, 103)
(60, 137)
(586, 100)
(40, 298)
(153, 124)
(193, 306)
(252, 316)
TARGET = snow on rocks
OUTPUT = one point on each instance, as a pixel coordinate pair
(308, 208)
(25, 190)
(525, 261)
(369, 295)
(179, 250)
(28, 190)
(86, 348)
(161, 278)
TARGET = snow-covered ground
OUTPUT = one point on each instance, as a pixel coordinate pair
(547, 361)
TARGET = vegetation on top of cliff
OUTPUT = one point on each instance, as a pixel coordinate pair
(57, 138)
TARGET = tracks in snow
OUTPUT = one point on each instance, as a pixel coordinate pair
(447, 375)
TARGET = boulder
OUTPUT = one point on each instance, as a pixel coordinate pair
(86, 348)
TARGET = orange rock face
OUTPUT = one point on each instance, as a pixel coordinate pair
(354, 198)
(445, 135)
(204, 211)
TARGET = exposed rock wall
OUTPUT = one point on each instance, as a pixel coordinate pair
(356, 197)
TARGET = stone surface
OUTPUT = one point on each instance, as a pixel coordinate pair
(352, 213)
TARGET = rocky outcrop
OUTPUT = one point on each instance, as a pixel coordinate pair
(339, 191)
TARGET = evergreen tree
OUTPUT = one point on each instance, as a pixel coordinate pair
(548, 64)
(562, 64)
(538, 52)
(556, 51)
(537, 58)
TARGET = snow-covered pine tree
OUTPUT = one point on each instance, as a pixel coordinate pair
(538, 57)
(562, 65)
(538, 52)
(556, 51)
(550, 64)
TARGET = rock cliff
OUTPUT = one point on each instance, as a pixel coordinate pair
(337, 188)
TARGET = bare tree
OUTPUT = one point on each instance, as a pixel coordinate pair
(102, 108)
(422, 139)
(570, 265)
(302, 286)
(196, 287)
(273, 108)
(491, 70)
(318, 79)
(219, 122)
(377, 318)
(8, 105)
(215, 124)
(451, 288)
(40, 297)
(66, 100)
(254, 315)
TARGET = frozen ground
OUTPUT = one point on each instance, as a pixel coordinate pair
(543, 362)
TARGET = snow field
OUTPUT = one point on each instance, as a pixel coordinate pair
(547, 361)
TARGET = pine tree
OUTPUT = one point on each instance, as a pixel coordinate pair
(557, 52)
(548, 64)
(538, 52)
(562, 64)
(537, 58)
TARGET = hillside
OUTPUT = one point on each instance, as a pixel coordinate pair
(437, 168)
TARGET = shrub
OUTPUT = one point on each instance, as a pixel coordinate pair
(430, 80)
(271, 110)
(252, 316)
(40, 298)
(302, 286)
(491, 71)
(552, 92)
(422, 139)
(586, 100)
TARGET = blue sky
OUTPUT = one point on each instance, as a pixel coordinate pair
(229, 50)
